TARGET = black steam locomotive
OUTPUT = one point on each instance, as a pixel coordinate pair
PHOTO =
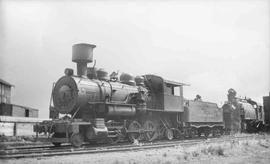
(242, 114)
(93, 106)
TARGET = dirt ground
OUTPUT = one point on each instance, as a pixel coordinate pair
(255, 150)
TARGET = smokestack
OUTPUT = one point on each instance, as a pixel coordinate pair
(82, 54)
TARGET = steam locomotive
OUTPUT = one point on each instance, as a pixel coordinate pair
(242, 114)
(95, 106)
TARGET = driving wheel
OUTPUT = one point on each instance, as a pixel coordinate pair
(151, 132)
(133, 129)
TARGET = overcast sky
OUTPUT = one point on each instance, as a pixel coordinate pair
(212, 45)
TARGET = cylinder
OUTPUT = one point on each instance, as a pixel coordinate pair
(82, 54)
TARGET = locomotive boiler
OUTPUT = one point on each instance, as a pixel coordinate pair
(91, 88)
(93, 106)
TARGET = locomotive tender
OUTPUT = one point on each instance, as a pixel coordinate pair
(97, 107)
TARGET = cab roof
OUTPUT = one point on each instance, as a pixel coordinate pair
(174, 83)
(169, 82)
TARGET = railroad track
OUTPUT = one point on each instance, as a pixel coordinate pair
(47, 150)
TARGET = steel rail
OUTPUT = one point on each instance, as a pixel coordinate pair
(48, 146)
(118, 148)
(86, 147)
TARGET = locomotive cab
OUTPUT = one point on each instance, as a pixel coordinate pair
(165, 95)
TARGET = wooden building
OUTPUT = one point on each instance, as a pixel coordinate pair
(17, 111)
(9, 109)
(18, 126)
(15, 120)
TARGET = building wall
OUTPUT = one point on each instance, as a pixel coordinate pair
(5, 93)
(5, 109)
(18, 126)
(17, 129)
(33, 113)
(7, 128)
(17, 111)
(24, 129)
